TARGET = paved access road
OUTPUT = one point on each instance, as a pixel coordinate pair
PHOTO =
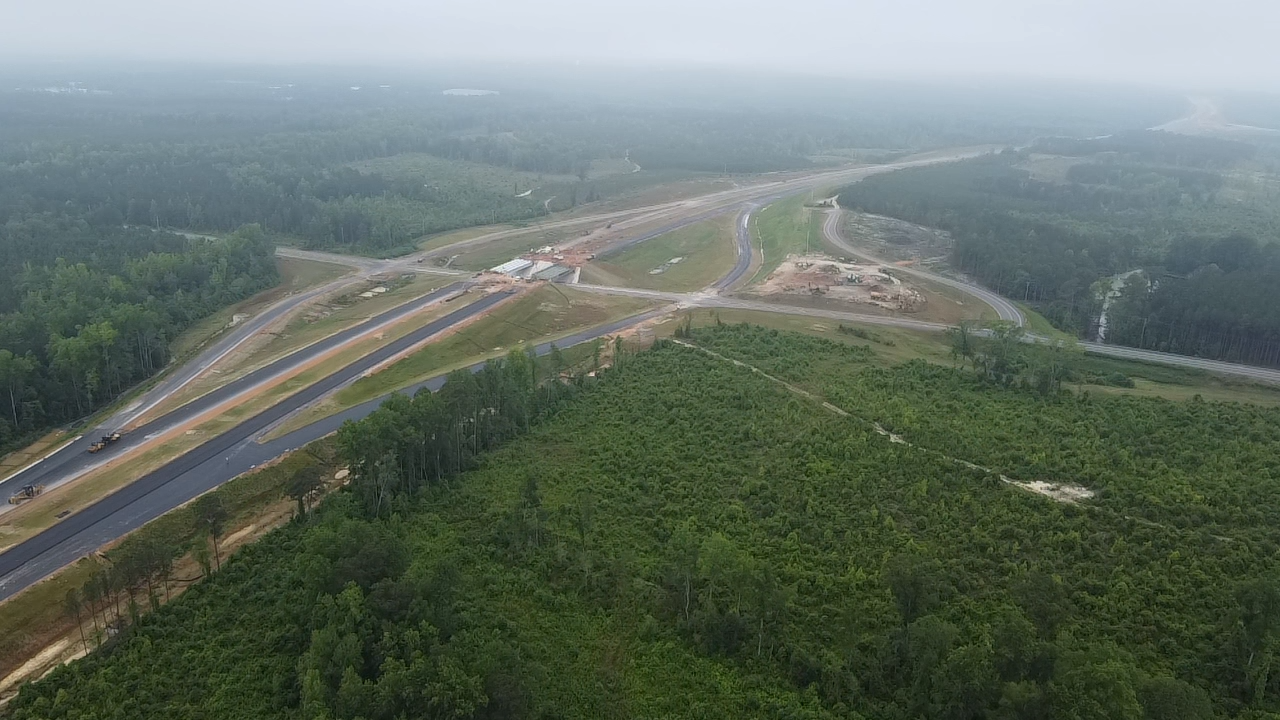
(1219, 367)
(742, 237)
(75, 459)
(1008, 311)
(193, 473)
(237, 451)
(1005, 309)
(231, 454)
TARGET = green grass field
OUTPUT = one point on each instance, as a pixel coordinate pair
(784, 228)
(543, 315)
(706, 251)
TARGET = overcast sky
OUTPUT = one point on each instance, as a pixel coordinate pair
(1193, 44)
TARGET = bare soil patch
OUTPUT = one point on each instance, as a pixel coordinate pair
(825, 276)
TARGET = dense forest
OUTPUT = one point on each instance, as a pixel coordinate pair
(678, 536)
(86, 311)
(199, 152)
(1148, 200)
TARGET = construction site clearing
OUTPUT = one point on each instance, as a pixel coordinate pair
(563, 261)
(840, 279)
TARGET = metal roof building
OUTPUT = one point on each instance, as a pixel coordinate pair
(512, 267)
(553, 273)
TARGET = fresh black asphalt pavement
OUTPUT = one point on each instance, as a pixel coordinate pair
(227, 456)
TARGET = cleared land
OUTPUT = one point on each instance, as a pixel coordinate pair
(895, 240)
(295, 275)
(785, 228)
(314, 323)
(684, 260)
(547, 313)
(37, 515)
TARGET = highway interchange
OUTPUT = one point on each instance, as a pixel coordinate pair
(239, 449)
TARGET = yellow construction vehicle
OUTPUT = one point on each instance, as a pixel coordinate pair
(25, 494)
(105, 441)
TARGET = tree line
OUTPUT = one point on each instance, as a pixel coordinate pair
(1055, 244)
(680, 536)
(87, 313)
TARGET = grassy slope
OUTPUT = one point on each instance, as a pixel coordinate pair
(311, 325)
(545, 314)
(295, 275)
(707, 249)
(784, 228)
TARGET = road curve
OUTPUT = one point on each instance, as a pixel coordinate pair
(683, 212)
(1005, 309)
(742, 237)
(200, 470)
(710, 300)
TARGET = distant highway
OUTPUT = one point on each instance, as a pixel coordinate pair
(237, 451)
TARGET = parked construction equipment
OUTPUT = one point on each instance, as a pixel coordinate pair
(105, 441)
(25, 494)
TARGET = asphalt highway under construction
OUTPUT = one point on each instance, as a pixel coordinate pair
(75, 458)
(238, 450)
(207, 466)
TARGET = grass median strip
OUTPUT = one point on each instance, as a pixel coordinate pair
(785, 228)
(547, 313)
(41, 513)
(306, 327)
(683, 260)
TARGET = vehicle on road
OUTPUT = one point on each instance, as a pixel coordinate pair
(26, 493)
(104, 442)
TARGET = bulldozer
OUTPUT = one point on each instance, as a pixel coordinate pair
(26, 493)
(104, 442)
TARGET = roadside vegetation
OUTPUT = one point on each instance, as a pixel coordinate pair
(97, 598)
(546, 314)
(86, 312)
(318, 321)
(686, 537)
(1052, 225)
(783, 228)
(683, 260)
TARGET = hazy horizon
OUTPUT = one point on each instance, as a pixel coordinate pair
(1183, 44)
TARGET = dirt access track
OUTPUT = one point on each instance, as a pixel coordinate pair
(825, 276)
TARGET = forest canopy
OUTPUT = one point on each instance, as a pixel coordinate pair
(88, 311)
(1149, 201)
(679, 536)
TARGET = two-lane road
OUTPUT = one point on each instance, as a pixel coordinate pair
(1005, 309)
